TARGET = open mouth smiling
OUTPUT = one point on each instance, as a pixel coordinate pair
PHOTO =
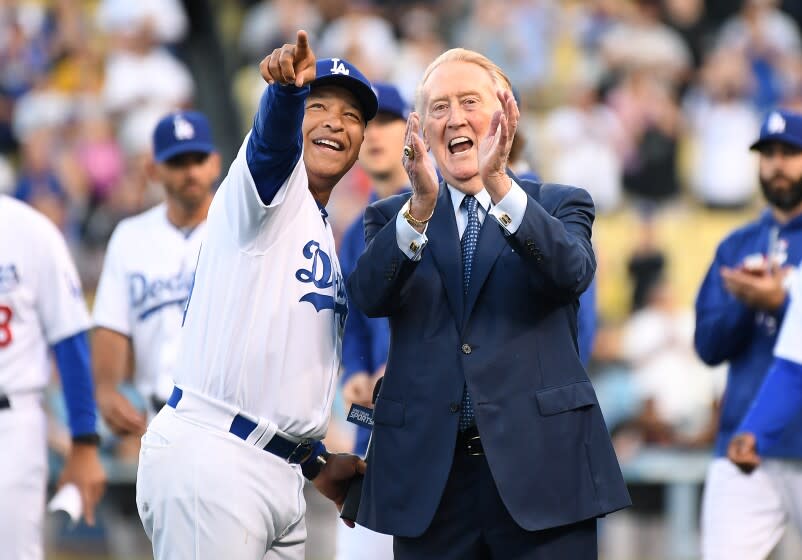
(329, 144)
(460, 144)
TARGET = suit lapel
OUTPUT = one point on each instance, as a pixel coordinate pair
(444, 247)
(490, 245)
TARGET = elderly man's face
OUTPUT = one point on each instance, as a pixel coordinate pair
(459, 102)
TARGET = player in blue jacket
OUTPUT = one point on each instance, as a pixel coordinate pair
(739, 308)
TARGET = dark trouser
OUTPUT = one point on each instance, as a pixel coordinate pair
(471, 523)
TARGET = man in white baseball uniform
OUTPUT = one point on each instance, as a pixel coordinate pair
(147, 274)
(41, 309)
(222, 466)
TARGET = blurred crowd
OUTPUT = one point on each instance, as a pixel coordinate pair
(650, 105)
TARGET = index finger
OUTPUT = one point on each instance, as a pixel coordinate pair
(301, 45)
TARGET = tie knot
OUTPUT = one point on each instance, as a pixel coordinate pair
(470, 203)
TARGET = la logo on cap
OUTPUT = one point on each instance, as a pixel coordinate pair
(182, 128)
(775, 124)
(338, 67)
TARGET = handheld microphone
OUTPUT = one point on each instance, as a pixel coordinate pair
(352, 499)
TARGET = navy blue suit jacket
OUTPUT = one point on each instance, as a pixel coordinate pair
(512, 339)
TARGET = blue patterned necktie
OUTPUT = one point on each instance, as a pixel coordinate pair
(470, 237)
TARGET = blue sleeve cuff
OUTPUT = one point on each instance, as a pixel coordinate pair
(275, 144)
(776, 404)
(72, 358)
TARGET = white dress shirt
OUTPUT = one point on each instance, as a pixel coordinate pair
(509, 213)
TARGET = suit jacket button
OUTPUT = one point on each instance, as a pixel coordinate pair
(453, 407)
(466, 349)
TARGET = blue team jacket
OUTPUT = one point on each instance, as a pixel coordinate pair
(727, 330)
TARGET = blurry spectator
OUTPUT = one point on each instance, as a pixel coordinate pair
(677, 391)
(41, 107)
(38, 184)
(646, 266)
(166, 19)
(268, 24)
(761, 29)
(651, 120)
(139, 72)
(98, 155)
(584, 142)
(686, 17)
(761, 32)
(421, 42)
(24, 51)
(642, 42)
(722, 125)
(362, 37)
(517, 35)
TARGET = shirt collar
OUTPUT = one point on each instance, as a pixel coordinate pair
(482, 197)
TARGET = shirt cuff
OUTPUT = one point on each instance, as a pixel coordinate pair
(409, 240)
(510, 210)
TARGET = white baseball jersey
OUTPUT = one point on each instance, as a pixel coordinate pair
(789, 341)
(147, 275)
(263, 327)
(41, 301)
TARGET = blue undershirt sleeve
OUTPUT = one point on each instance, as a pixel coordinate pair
(275, 143)
(72, 358)
(776, 404)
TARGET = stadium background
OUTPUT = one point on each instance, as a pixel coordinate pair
(650, 105)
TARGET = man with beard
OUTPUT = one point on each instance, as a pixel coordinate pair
(147, 275)
(739, 308)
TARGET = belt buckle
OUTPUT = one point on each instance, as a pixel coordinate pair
(474, 446)
(302, 452)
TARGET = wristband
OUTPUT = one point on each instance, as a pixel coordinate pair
(87, 439)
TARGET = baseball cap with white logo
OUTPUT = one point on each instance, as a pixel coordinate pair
(780, 126)
(182, 132)
(390, 100)
(340, 72)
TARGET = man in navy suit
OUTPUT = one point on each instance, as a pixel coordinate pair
(488, 438)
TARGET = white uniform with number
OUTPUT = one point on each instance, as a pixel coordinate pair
(262, 337)
(41, 303)
(146, 279)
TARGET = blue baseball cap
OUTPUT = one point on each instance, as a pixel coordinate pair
(780, 126)
(390, 100)
(340, 72)
(182, 132)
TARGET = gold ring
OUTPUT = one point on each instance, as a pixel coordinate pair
(409, 153)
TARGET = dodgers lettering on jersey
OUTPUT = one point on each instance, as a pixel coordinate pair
(322, 276)
(264, 323)
(150, 295)
(41, 301)
(143, 289)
